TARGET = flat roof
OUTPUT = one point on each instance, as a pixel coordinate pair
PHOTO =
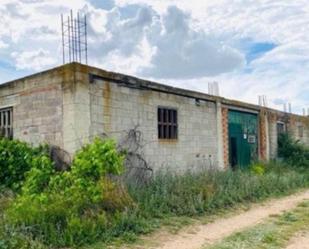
(130, 81)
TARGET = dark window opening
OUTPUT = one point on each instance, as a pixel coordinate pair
(6, 123)
(167, 123)
(301, 131)
(280, 128)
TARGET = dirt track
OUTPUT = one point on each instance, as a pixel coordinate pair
(301, 241)
(194, 237)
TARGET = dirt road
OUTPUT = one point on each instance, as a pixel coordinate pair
(194, 237)
(301, 241)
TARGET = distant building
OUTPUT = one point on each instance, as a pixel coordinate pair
(69, 105)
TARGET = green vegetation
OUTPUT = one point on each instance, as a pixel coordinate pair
(293, 152)
(273, 234)
(207, 192)
(13, 237)
(90, 202)
(16, 158)
(70, 208)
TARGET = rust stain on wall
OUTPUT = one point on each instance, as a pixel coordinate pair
(168, 141)
(145, 96)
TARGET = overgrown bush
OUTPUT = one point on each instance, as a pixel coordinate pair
(16, 158)
(293, 152)
(69, 208)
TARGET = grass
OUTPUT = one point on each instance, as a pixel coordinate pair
(194, 194)
(10, 237)
(273, 234)
(173, 201)
(170, 226)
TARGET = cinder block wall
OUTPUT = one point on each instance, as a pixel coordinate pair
(113, 109)
(116, 109)
(103, 107)
(37, 107)
(293, 125)
(62, 107)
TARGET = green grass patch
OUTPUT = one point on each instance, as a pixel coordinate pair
(14, 237)
(91, 205)
(208, 192)
(169, 199)
(273, 234)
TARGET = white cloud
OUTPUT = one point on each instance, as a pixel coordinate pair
(3, 44)
(200, 40)
(281, 73)
(120, 35)
(30, 29)
(182, 52)
(33, 60)
(178, 50)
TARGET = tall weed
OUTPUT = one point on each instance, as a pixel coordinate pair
(206, 192)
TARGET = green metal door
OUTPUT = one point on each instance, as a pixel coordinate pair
(243, 147)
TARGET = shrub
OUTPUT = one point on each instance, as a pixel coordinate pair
(115, 196)
(97, 159)
(38, 177)
(293, 152)
(258, 168)
(69, 208)
(16, 158)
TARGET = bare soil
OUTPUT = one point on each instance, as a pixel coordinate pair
(301, 241)
(197, 236)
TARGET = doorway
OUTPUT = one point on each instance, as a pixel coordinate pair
(243, 145)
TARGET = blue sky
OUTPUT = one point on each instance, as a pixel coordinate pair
(250, 47)
(256, 50)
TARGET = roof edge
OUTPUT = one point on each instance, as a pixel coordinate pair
(114, 76)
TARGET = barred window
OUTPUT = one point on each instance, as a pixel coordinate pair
(6, 123)
(167, 123)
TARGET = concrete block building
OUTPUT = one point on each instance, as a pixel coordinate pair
(180, 129)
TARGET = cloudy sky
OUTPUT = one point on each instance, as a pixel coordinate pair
(251, 47)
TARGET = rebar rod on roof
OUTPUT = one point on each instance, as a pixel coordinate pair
(74, 39)
(63, 53)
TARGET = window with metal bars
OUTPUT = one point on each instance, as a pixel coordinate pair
(6, 123)
(167, 123)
